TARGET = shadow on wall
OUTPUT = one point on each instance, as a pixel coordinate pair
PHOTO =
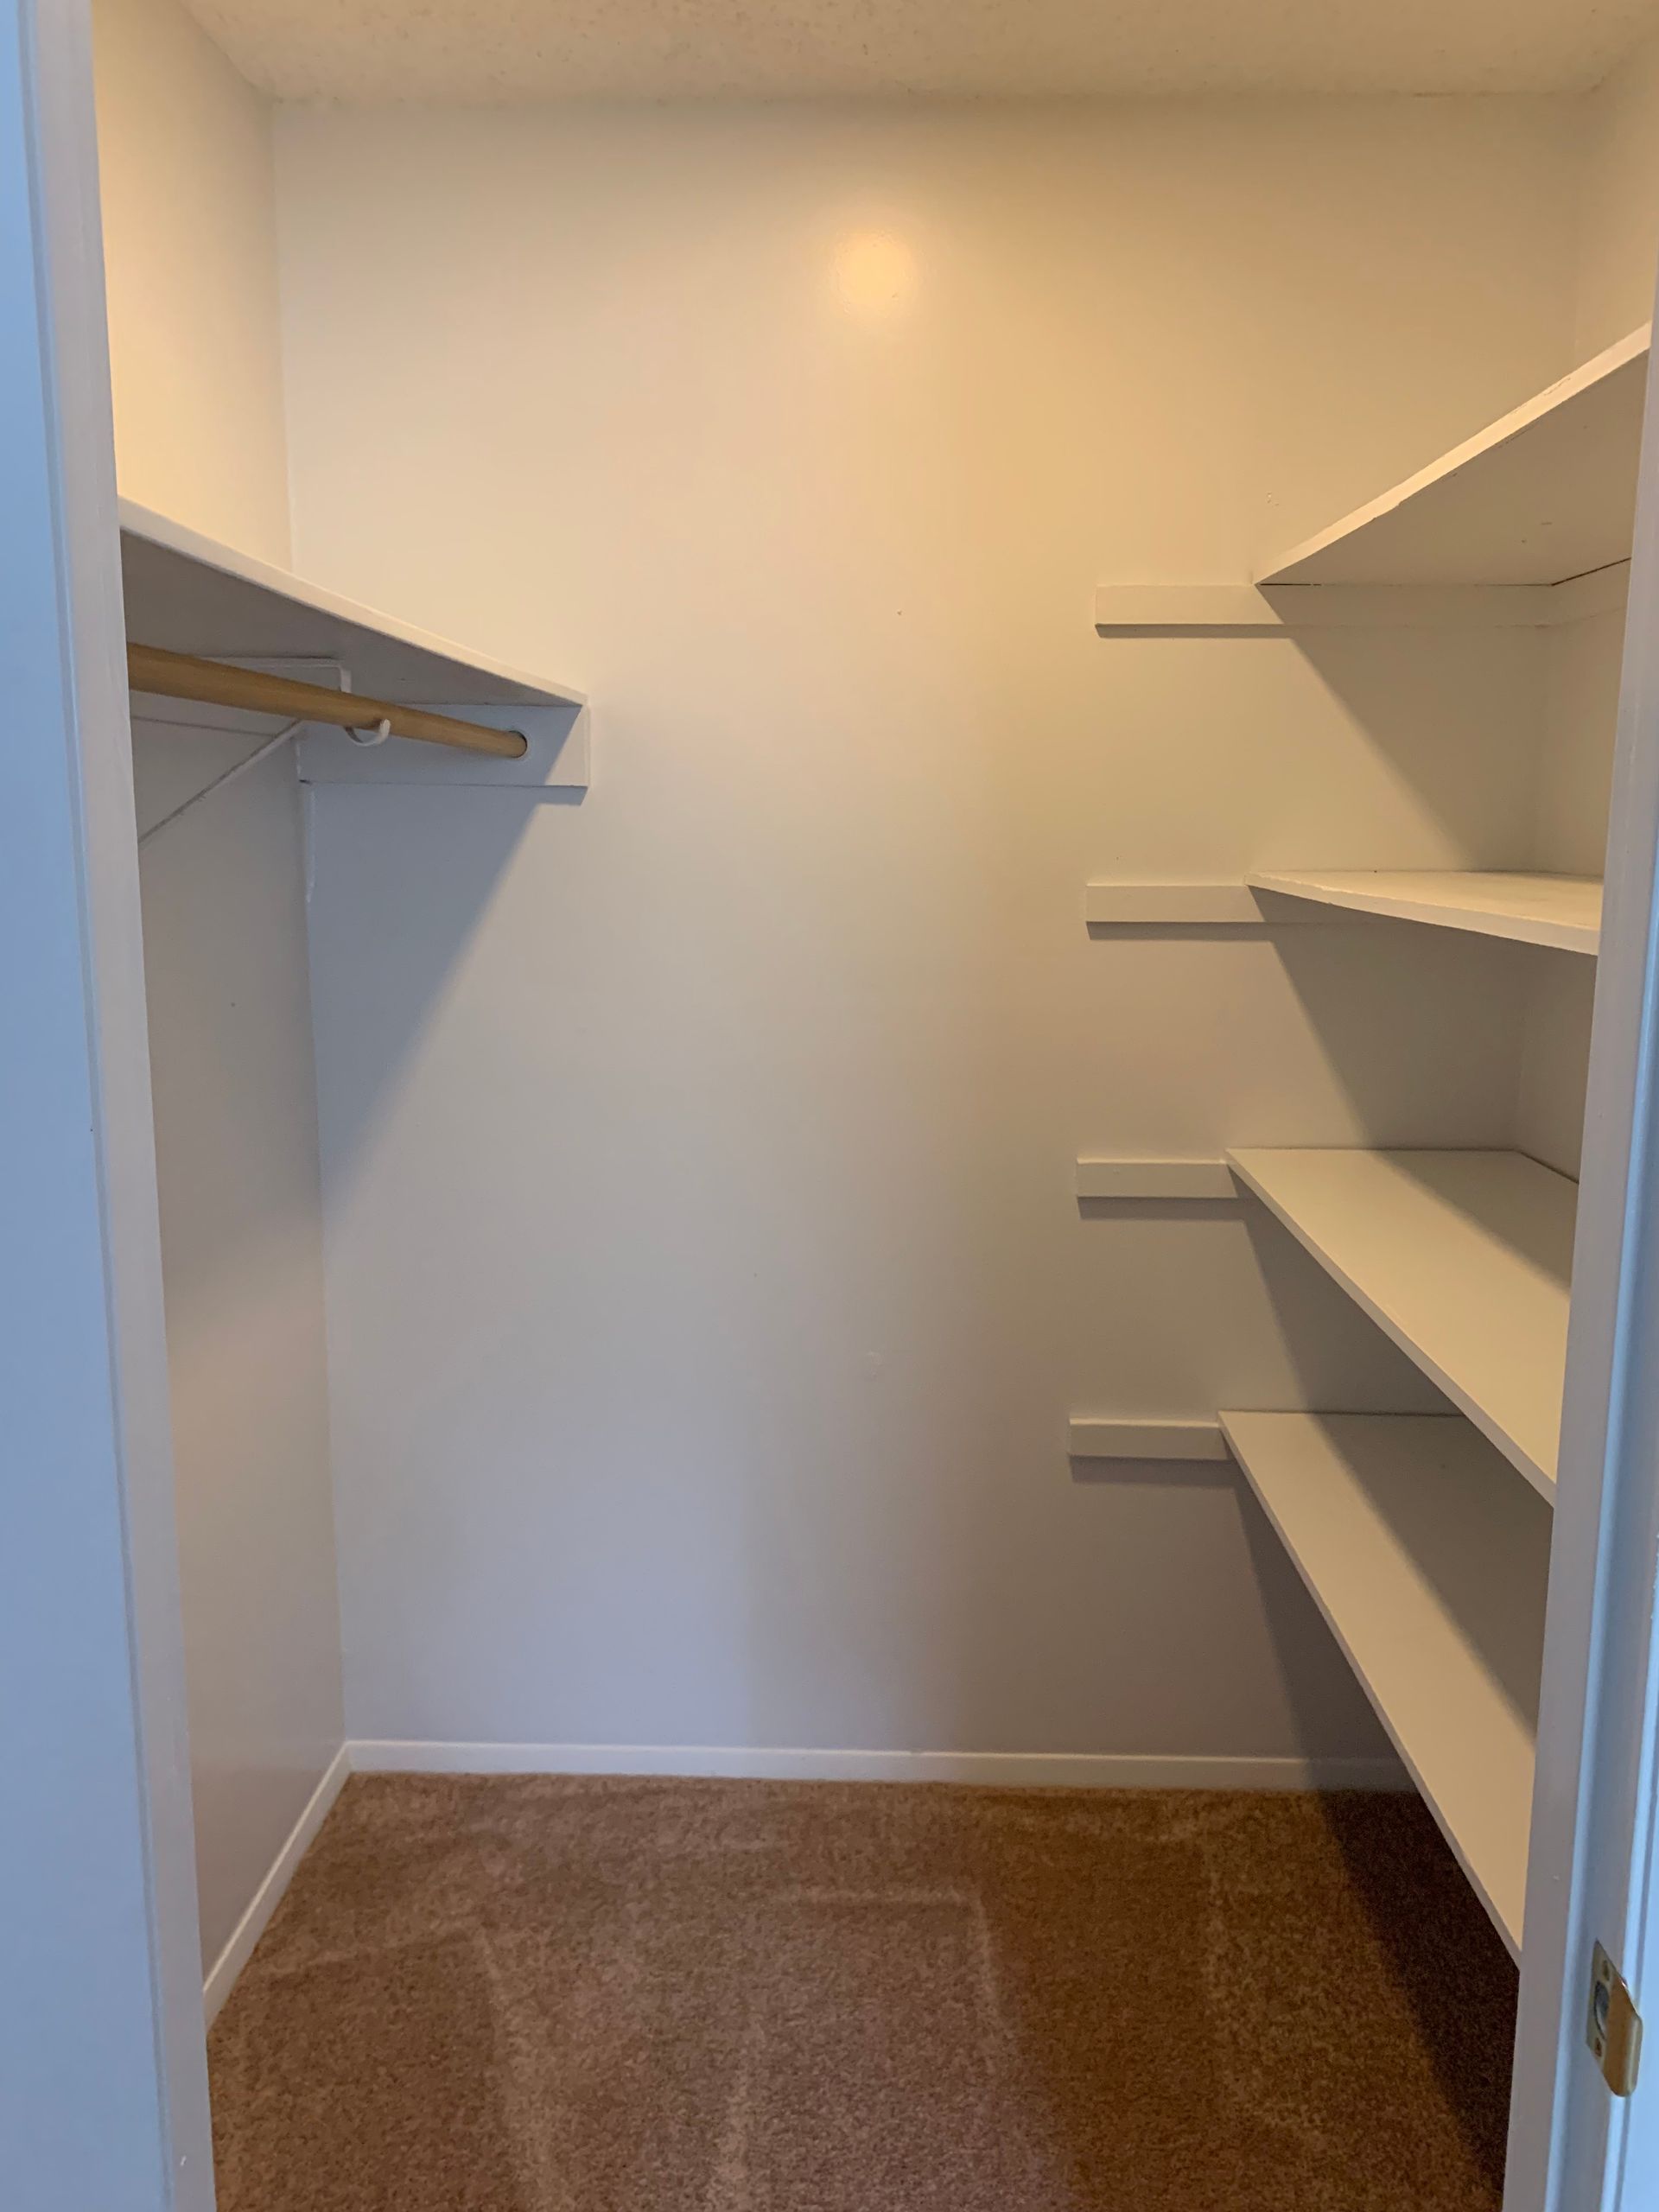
(421, 923)
(1455, 717)
(1420, 1029)
(1292, 1619)
(1289, 1634)
(234, 1094)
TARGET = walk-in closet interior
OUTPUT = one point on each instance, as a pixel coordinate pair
(867, 1264)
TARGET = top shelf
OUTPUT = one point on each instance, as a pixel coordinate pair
(1546, 492)
(190, 594)
(1560, 911)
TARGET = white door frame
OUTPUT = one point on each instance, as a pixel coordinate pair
(103, 2076)
(1594, 1803)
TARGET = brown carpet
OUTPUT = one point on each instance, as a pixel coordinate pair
(542, 1995)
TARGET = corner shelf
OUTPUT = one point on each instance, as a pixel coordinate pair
(1463, 1258)
(1563, 912)
(1430, 1565)
(1545, 493)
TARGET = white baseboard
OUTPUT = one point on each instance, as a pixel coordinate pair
(268, 1895)
(1001, 1770)
(1051, 1770)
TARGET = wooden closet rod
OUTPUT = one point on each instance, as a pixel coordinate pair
(182, 676)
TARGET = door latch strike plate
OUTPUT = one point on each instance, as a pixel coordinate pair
(1614, 2029)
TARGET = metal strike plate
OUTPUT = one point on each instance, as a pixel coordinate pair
(1614, 2030)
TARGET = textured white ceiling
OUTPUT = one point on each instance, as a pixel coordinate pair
(496, 50)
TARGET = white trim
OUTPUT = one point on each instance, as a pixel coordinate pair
(1167, 905)
(238, 1950)
(999, 1770)
(103, 2087)
(1110, 1439)
(1004, 1770)
(1591, 1862)
(1156, 1178)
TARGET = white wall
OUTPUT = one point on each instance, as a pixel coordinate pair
(1615, 254)
(1581, 707)
(707, 1298)
(236, 1136)
(189, 233)
(189, 219)
(1619, 203)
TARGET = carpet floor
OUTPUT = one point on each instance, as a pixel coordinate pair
(549, 1995)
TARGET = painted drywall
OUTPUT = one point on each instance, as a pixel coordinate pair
(707, 1296)
(1619, 203)
(1580, 701)
(236, 1136)
(189, 235)
(1616, 257)
(187, 188)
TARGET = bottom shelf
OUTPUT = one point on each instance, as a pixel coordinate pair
(1429, 1558)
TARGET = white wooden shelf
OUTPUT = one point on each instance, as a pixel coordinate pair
(1546, 492)
(1463, 1258)
(189, 593)
(1560, 910)
(1429, 1562)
